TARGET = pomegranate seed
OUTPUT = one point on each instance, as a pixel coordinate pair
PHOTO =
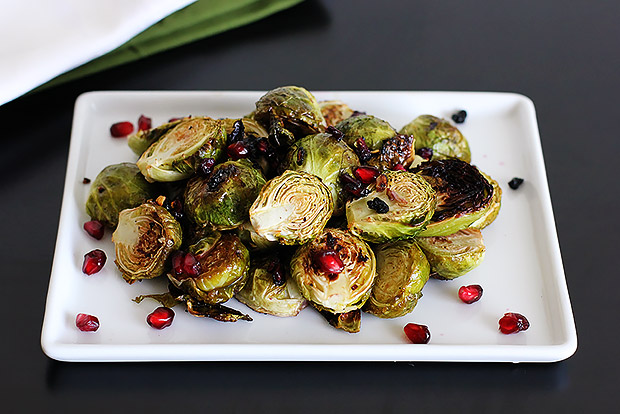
(191, 266)
(426, 153)
(334, 132)
(86, 180)
(93, 261)
(399, 167)
(86, 323)
(417, 334)
(205, 167)
(94, 228)
(470, 294)
(237, 151)
(121, 129)
(144, 123)
(328, 261)
(366, 175)
(513, 322)
(160, 318)
(177, 262)
(362, 150)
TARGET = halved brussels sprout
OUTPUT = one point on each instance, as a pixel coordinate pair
(292, 208)
(141, 140)
(327, 158)
(269, 289)
(340, 292)
(440, 135)
(335, 111)
(143, 240)
(116, 188)
(396, 151)
(252, 239)
(491, 212)
(294, 107)
(223, 270)
(399, 207)
(374, 130)
(463, 195)
(453, 255)
(402, 272)
(177, 153)
(222, 199)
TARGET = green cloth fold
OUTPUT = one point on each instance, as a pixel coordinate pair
(198, 20)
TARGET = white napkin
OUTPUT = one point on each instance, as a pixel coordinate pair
(41, 39)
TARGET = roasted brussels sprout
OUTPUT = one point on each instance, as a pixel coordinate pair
(443, 138)
(402, 272)
(222, 199)
(270, 290)
(374, 130)
(141, 140)
(399, 207)
(491, 212)
(116, 188)
(335, 271)
(251, 127)
(453, 255)
(292, 208)
(177, 153)
(463, 193)
(294, 107)
(143, 240)
(327, 158)
(396, 151)
(335, 111)
(221, 273)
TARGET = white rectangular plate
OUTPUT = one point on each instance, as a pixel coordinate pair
(522, 271)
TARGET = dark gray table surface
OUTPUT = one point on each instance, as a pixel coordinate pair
(563, 55)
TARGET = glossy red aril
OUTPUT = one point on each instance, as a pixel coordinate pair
(93, 261)
(365, 174)
(417, 334)
(513, 322)
(86, 323)
(328, 262)
(94, 228)
(121, 129)
(191, 265)
(177, 262)
(237, 150)
(160, 318)
(399, 167)
(144, 123)
(470, 294)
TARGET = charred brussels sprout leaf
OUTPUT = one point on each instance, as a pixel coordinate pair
(453, 255)
(402, 272)
(222, 199)
(350, 322)
(223, 271)
(491, 212)
(340, 292)
(293, 107)
(269, 290)
(443, 138)
(143, 240)
(141, 140)
(327, 158)
(335, 111)
(215, 311)
(175, 156)
(407, 202)
(463, 193)
(116, 188)
(292, 208)
(374, 130)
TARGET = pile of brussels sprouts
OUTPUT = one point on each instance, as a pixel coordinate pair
(299, 202)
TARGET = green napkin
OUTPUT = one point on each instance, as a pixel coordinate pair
(196, 21)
